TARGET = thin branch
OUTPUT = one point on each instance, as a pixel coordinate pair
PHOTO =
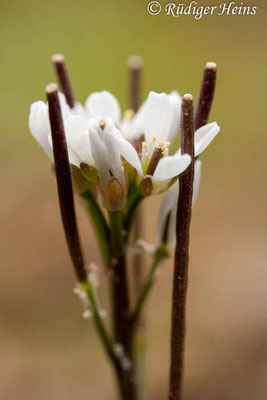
(64, 184)
(206, 95)
(181, 260)
(160, 254)
(135, 199)
(98, 220)
(64, 79)
(100, 326)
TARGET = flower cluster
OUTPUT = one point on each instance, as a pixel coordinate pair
(123, 158)
(113, 151)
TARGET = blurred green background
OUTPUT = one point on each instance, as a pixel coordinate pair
(47, 350)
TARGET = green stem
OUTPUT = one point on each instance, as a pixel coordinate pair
(100, 224)
(148, 282)
(135, 199)
(99, 325)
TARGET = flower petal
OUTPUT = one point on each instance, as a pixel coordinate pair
(130, 154)
(135, 126)
(103, 104)
(171, 166)
(158, 116)
(167, 214)
(40, 127)
(74, 127)
(83, 148)
(204, 136)
(197, 178)
(176, 102)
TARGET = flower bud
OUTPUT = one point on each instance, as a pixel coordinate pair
(89, 172)
(146, 186)
(80, 184)
(115, 195)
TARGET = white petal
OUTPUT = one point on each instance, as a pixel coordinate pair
(158, 116)
(130, 154)
(40, 127)
(197, 178)
(79, 110)
(110, 137)
(176, 102)
(99, 153)
(136, 124)
(204, 136)
(74, 126)
(65, 109)
(103, 104)
(168, 207)
(171, 166)
(83, 148)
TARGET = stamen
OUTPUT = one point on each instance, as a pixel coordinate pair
(102, 124)
(158, 153)
(64, 79)
(138, 144)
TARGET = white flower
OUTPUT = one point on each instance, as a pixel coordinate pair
(39, 122)
(168, 210)
(162, 116)
(39, 125)
(108, 145)
(158, 116)
(103, 105)
(160, 119)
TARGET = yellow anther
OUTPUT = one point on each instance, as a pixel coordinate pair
(102, 124)
(144, 145)
(128, 114)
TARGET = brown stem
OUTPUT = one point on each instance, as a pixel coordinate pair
(135, 69)
(135, 66)
(206, 95)
(183, 219)
(64, 79)
(64, 184)
(123, 332)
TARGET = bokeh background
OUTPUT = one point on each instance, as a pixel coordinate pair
(47, 351)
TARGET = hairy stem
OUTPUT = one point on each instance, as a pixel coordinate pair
(206, 95)
(181, 260)
(64, 79)
(123, 333)
(64, 183)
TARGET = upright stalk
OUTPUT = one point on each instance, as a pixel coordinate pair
(135, 67)
(64, 184)
(123, 333)
(64, 79)
(180, 276)
(206, 95)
